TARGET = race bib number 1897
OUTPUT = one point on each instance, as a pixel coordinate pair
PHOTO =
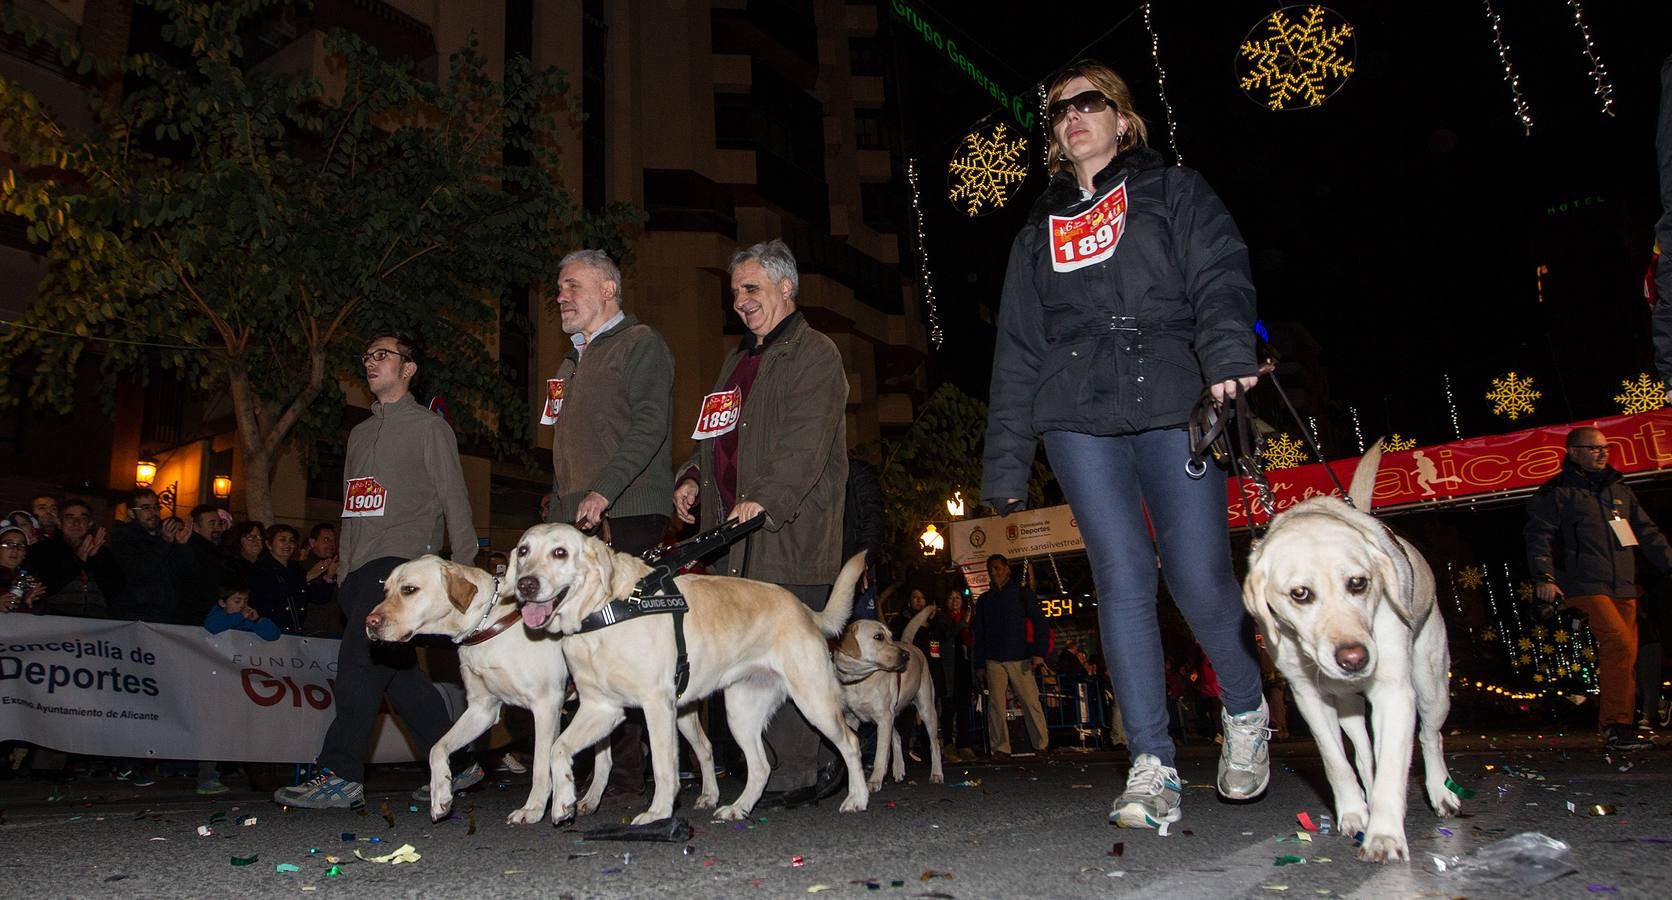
(1091, 236)
(364, 497)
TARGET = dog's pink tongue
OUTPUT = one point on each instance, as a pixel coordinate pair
(534, 615)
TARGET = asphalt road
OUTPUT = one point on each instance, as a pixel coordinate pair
(1023, 828)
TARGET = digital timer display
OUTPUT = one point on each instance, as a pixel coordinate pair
(1057, 607)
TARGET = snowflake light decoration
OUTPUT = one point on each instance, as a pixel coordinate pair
(1524, 644)
(1396, 442)
(1512, 396)
(1282, 452)
(988, 170)
(1641, 396)
(1471, 577)
(1298, 56)
(1489, 635)
(1524, 591)
(1524, 659)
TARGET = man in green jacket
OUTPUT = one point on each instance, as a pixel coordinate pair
(609, 408)
(772, 441)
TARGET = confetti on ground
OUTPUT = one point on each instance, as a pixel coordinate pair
(818, 888)
(348, 836)
(1081, 787)
(1460, 790)
(798, 861)
(388, 814)
(412, 807)
(1322, 859)
(613, 870)
(931, 874)
(205, 831)
(1275, 888)
(1445, 831)
(1305, 821)
(1303, 837)
(245, 860)
(470, 816)
(333, 872)
(1600, 809)
(406, 854)
(247, 821)
(1118, 873)
(1288, 860)
(1118, 849)
(283, 868)
(1602, 889)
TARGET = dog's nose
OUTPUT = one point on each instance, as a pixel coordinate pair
(528, 586)
(1351, 657)
(374, 621)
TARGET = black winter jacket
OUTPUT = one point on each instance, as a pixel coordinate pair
(1126, 344)
(1568, 536)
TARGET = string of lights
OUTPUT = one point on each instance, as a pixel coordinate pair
(1044, 127)
(925, 280)
(1599, 72)
(1358, 433)
(1161, 87)
(1523, 112)
(1451, 406)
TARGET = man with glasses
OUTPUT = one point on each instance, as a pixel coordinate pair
(1582, 528)
(154, 568)
(70, 565)
(403, 492)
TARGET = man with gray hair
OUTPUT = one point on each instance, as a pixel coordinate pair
(609, 407)
(772, 441)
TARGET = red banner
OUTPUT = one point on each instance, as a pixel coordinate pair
(1472, 468)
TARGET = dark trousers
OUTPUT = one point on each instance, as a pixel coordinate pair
(794, 747)
(635, 535)
(366, 671)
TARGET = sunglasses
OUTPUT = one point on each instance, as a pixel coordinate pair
(1087, 103)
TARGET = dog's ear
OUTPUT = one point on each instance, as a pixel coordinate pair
(849, 645)
(615, 574)
(1393, 570)
(1254, 599)
(460, 589)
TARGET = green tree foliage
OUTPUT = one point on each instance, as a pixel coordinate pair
(937, 457)
(248, 229)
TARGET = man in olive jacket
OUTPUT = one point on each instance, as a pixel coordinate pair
(772, 441)
(608, 407)
(1582, 528)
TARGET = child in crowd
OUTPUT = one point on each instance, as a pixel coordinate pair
(233, 612)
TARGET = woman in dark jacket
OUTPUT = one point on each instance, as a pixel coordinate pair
(277, 589)
(1128, 293)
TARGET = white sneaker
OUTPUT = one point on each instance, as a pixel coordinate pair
(1244, 763)
(510, 763)
(466, 779)
(1151, 796)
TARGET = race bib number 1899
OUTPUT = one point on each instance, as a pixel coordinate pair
(720, 411)
(1091, 236)
(364, 497)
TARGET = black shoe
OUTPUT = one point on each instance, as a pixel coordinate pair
(1625, 737)
(792, 799)
(833, 779)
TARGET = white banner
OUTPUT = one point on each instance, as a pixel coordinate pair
(134, 689)
(1033, 532)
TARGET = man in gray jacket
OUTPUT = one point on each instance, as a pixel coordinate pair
(403, 490)
(772, 441)
(609, 408)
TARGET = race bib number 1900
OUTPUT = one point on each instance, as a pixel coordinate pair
(1091, 236)
(363, 497)
(720, 411)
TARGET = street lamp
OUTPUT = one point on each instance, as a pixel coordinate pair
(223, 487)
(955, 506)
(145, 472)
(930, 540)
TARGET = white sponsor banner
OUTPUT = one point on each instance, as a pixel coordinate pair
(1033, 532)
(135, 689)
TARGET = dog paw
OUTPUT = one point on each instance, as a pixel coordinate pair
(1381, 848)
(652, 815)
(440, 803)
(854, 804)
(586, 807)
(732, 813)
(874, 786)
(563, 813)
(525, 816)
(707, 801)
(1445, 802)
(1352, 822)
(937, 778)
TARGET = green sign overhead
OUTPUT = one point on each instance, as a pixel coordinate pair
(1019, 106)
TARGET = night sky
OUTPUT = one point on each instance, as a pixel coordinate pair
(1395, 231)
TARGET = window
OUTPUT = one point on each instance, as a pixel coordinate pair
(869, 132)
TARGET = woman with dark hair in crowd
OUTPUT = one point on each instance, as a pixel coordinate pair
(277, 588)
(243, 544)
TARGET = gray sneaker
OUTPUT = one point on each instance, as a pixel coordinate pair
(325, 791)
(1244, 763)
(468, 778)
(1151, 796)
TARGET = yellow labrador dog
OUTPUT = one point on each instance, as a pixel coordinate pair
(752, 640)
(502, 662)
(880, 678)
(1349, 609)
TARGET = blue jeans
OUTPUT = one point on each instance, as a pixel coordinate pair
(1110, 482)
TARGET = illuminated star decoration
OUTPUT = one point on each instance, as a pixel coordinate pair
(1471, 577)
(1642, 395)
(1524, 590)
(1306, 55)
(988, 170)
(1512, 396)
(1396, 442)
(1282, 452)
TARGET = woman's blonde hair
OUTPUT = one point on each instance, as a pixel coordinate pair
(1111, 86)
